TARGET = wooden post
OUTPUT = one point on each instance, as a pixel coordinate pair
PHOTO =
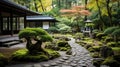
(25, 23)
(1, 23)
(11, 23)
(8, 24)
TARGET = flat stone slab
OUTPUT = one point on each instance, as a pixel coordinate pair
(37, 65)
(46, 65)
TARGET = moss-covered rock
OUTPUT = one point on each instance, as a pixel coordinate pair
(110, 61)
(3, 60)
(106, 51)
(24, 56)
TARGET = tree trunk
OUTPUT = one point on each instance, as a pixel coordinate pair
(118, 3)
(42, 5)
(35, 4)
(109, 11)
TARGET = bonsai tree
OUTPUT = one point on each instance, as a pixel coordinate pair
(37, 35)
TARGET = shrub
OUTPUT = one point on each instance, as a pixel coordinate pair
(53, 29)
(108, 39)
(106, 51)
(62, 43)
(3, 60)
(110, 30)
(112, 44)
(116, 50)
(110, 61)
(52, 53)
(100, 35)
(96, 48)
(95, 54)
(91, 49)
(117, 57)
(78, 35)
(116, 32)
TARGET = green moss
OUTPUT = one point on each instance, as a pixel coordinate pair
(116, 50)
(112, 44)
(3, 60)
(23, 55)
(95, 54)
(96, 48)
(52, 53)
(110, 61)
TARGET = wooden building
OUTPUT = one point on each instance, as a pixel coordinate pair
(13, 17)
(40, 21)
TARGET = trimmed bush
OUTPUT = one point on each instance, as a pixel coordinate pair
(106, 51)
(100, 35)
(112, 44)
(116, 50)
(110, 30)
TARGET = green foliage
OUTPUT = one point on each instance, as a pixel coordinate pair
(117, 57)
(23, 55)
(63, 45)
(116, 50)
(3, 60)
(110, 30)
(116, 32)
(112, 44)
(53, 29)
(110, 61)
(95, 54)
(63, 28)
(108, 39)
(100, 35)
(52, 53)
(78, 35)
(35, 33)
(106, 51)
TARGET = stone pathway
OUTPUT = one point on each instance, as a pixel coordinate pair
(80, 58)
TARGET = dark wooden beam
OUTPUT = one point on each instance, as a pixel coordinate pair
(1, 23)
(25, 23)
(11, 23)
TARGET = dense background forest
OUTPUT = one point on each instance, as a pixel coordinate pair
(100, 12)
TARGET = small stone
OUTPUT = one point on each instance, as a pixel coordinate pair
(65, 58)
(28, 66)
(53, 64)
(61, 60)
(73, 65)
(46, 65)
(58, 62)
(36, 65)
(66, 66)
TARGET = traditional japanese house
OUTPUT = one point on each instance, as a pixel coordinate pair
(13, 17)
(40, 21)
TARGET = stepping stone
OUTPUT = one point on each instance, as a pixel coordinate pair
(65, 58)
(53, 64)
(73, 65)
(28, 66)
(61, 60)
(68, 61)
(46, 65)
(66, 66)
(36, 65)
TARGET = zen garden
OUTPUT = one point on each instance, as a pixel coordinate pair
(59, 33)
